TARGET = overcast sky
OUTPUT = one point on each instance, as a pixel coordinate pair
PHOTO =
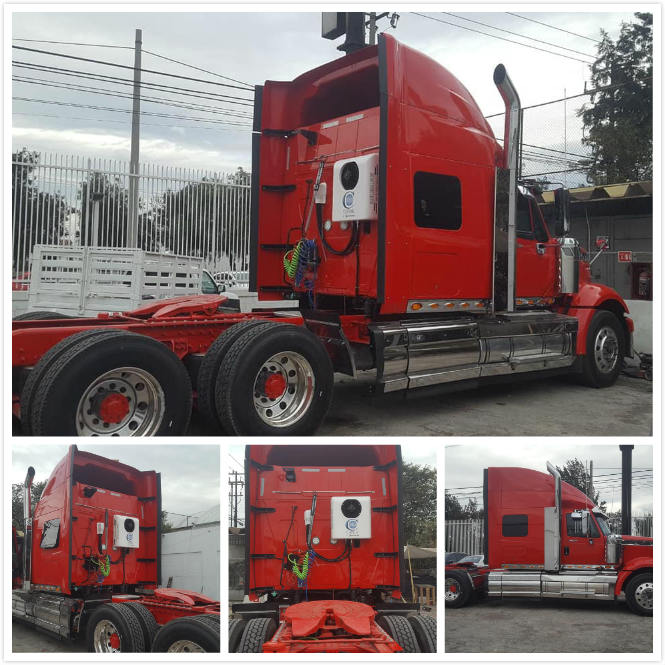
(464, 466)
(190, 473)
(253, 47)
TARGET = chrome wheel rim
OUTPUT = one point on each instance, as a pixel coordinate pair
(606, 349)
(283, 389)
(452, 589)
(644, 595)
(186, 646)
(126, 401)
(105, 630)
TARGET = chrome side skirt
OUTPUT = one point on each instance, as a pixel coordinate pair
(513, 583)
(49, 612)
(414, 354)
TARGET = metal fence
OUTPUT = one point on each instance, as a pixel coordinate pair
(464, 536)
(74, 201)
(552, 146)
(467, 535)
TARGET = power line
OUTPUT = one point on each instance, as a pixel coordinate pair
(117, 110)
(49, 41)
(119, 94)
(505, 39)
(124, 122)
(107, 78)
(115, 64)
(517, 34)
(207, 71)
(554, 27)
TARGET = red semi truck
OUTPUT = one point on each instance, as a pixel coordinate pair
(89, 563)
(324, 566)
(545, 538)
(386, 210)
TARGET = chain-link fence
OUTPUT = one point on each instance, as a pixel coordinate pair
(552, 147)
(73, 201)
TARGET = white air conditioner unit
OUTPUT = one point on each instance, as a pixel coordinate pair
(356, 188)
(350, 517)
(125, 531)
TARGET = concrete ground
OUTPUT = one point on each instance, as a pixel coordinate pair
(547, 626)
(27, 639)
(555, 406)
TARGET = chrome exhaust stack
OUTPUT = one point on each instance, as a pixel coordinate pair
(511, 154)
(27, 520)
(552, 560)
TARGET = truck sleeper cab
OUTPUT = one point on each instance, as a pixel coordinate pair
(545, 538)
(324, 568)
(91, 563)
(384, 207)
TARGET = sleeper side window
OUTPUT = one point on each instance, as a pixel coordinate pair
(437, 201)
(515, 526)
(50, 534)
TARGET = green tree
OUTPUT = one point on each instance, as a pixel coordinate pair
(17, 501)
(419, 505)
(574, 473)
(618, 119)
(455, 510)
(37, 217)
(165, 525)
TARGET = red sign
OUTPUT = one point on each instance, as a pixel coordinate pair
(625, 257)
(602, 242)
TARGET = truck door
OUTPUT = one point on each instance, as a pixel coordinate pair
(578, 548)
(536, 253)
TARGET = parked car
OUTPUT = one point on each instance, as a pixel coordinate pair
(475, 559)
(454, 557)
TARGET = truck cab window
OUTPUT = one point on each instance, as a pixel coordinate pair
(538, 223)
(515, 526)
(574, 527)
(437, 201)
(524, 228)
(50, 534)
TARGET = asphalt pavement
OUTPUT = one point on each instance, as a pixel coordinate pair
(28, 639)
(547, 626)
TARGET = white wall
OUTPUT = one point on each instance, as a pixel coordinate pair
(191, 557)
(641, 311)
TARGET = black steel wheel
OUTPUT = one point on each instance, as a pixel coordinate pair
(41, 316)
(124, 385)
(236, 629)
(605, 349)
(37, 373)
(257, 632)
(399, 628)
(113, 628)
(639, 594)
(424, 627)
(458, 589)
(209, 369)
(275, 380)
(192, 634)
(148, 623)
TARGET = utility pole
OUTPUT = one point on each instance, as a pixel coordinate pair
(372, 28)
(626, 489)
(236, 484)
(590, 492)
(133, 232)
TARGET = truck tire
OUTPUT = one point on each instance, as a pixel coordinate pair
(458, 590)
(113, 628)
(275, 380)
(148, 623)
(130, 385)
(605, 349)
(639, 594)
(399, 628)
(37, 373)
(207, 376)
(192, 634)
(40, 316)
(424, 627)
(236, 629)
(257, 632)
